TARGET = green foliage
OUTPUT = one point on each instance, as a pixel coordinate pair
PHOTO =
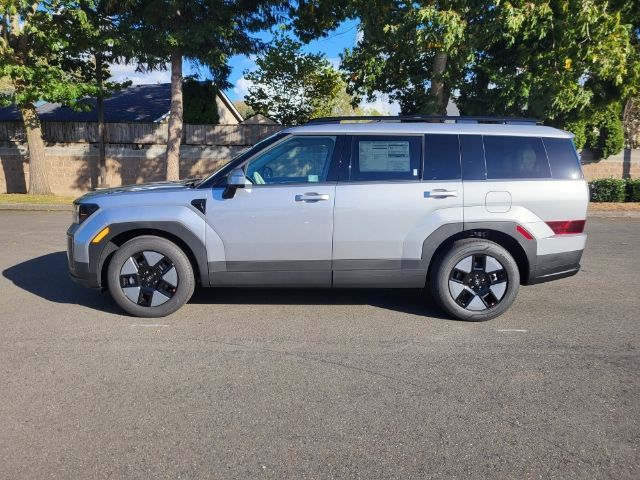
(602, 131)
(633, 190)
(552, 60)
(200, 102)
(399, 49)
(562, 61)
(290, 86)
(579, 129)
(611, 135)
(607, 190)
(45, 52)
(5, 84)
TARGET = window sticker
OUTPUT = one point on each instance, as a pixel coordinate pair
(381, 156)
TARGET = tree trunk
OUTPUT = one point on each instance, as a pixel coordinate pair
(438, 91)
(102, 163)
(175, 118)
(38, 171)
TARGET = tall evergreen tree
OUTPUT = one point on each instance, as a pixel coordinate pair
(206, 32)
(43, 54)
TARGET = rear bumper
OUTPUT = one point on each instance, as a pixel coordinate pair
(555, 266)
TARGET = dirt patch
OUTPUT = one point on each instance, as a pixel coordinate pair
(615, 207)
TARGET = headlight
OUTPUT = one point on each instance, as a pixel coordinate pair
(82, 211)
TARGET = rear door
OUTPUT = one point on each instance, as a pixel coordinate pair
(389, 200)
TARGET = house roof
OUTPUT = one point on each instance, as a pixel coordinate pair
(138, 103)
(259, 119)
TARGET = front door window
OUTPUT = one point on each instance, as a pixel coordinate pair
(296, 160)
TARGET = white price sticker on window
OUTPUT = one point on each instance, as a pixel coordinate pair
(384, 156)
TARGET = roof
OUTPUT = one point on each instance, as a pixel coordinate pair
(259, 119)
(421, 128)
(138, 103)
(229, 104)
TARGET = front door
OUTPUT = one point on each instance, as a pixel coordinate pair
(278, 230)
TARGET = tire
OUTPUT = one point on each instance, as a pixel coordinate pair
(150, 277)
(475, 280)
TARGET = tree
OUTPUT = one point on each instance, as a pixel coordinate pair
(290, 86)
(414, 52)
(207, 32)
(200, 104)
(559, 60)
(106, 46)
(569, 63)
(43, 49)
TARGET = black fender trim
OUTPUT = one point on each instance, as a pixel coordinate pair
(437, 238)
(100, 252)
(482, 230)
(530, 247)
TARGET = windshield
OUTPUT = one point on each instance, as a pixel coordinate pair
(241, 157)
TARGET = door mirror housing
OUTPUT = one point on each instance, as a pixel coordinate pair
(236, 178)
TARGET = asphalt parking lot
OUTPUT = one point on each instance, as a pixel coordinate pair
(317, 384)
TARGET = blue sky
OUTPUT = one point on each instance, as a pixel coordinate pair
(332, 45)
(342, 37)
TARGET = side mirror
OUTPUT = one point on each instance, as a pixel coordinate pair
(236, 178)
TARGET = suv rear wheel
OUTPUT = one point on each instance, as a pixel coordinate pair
(150, 277)
(475, 280)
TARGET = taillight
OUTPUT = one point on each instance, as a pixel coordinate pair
(565, 227)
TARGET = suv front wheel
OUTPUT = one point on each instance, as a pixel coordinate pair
(150, 277)
(475, 280)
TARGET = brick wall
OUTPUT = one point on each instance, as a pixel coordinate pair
(73, 167)
(623, 165)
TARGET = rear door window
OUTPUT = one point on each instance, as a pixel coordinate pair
(563, 158)
(442, 157)
(472, 155)
(385, 158)
(515, 157)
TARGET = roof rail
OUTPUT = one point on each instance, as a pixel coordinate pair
(426, 119)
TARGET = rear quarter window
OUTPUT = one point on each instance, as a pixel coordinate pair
(515, 157)
(563, 158)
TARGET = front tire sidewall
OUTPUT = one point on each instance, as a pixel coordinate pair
(460, 250)
(186, 282)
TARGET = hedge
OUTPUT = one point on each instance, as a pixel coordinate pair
(633, 190)
(608, 190)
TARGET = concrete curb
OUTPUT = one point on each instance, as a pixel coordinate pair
(34, 207)
(615, 214)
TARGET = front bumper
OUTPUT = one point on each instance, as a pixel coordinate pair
(80, 272)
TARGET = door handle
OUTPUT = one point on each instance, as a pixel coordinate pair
(312, 197)
(440, 193)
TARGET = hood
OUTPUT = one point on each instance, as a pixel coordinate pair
(143, 187)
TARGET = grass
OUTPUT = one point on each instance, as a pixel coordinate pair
(13, 198)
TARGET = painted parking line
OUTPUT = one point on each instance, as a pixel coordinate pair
(517, 330)
(150, 325)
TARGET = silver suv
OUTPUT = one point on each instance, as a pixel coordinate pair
(467, 209)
